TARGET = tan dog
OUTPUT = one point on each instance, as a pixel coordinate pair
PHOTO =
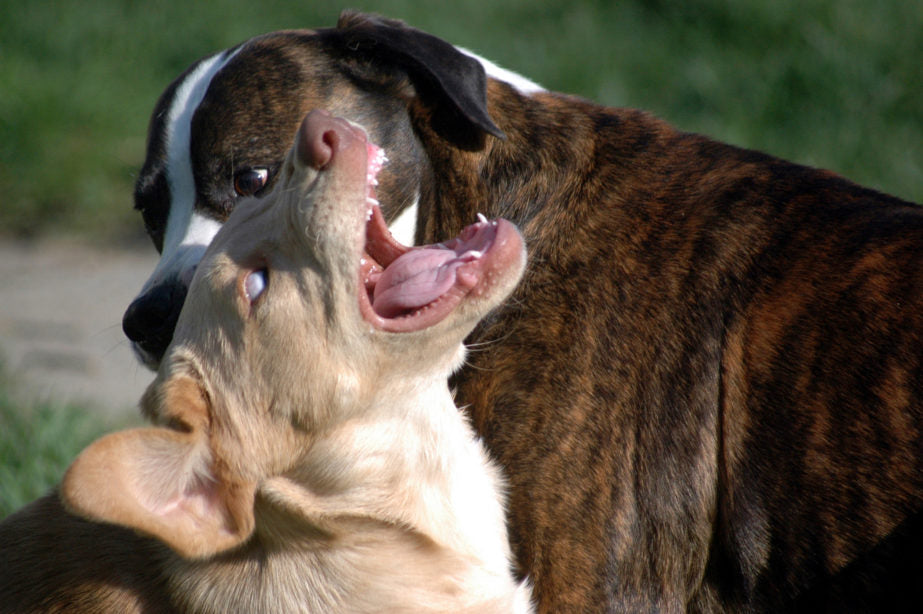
(307, 454)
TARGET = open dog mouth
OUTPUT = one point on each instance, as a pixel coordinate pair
(405, 288)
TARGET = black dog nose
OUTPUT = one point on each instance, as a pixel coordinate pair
(151, 318)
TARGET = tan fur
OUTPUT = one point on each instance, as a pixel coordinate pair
(300, 460)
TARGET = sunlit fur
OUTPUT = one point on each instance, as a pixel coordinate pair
(301, 460)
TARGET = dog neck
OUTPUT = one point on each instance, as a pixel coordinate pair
(537, 176)
(401, 490)
(410, 459)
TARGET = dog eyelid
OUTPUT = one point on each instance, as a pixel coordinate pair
(255, 284)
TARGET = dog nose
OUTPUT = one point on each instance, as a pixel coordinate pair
(151, 318)
(321, 136)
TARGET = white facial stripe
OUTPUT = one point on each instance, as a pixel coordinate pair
(181, 261)
(525, 86)
(201, 231)
(200, 234)
(188, 97)
(404, 227)
(187, 233)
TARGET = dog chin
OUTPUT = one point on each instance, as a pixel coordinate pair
(408, 288)
(148, 359)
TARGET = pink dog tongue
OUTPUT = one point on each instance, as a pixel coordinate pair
(416, 279)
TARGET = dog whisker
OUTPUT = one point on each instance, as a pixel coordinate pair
(471, 365)
(482, 345)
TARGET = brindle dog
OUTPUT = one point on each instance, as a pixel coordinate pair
(708, 391)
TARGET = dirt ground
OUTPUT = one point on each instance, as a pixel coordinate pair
(61, 339)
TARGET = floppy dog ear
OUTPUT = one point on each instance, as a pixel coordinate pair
(455, 77)
(163, 482)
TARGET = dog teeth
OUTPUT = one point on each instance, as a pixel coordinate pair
(482, 218)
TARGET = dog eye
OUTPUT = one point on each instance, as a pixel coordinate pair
(255, 284)
(250, 181)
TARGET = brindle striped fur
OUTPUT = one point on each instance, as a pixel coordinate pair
(708, 392)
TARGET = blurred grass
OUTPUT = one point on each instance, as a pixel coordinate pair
(832, 84)
(37, 443)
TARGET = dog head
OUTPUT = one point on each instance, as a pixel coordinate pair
(303, 313)
(220, 132)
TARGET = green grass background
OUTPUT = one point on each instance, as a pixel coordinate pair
(836, 84)
(37, 443)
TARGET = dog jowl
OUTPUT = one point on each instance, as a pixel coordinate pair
(706, 394)
(306, 454)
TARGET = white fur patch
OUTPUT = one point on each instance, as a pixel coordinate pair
(524, 85)
(404, 227)
(187, 233)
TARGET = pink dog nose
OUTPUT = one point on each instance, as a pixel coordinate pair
(322, 136)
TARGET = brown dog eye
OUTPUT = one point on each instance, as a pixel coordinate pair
(250, 181)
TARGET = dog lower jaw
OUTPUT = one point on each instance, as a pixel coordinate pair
(484, 253)
(151, 360)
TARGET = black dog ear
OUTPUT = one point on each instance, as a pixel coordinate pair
(454, 77)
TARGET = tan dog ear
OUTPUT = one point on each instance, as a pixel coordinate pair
(161, 482)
